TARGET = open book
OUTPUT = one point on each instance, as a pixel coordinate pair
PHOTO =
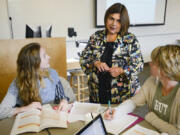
(35, 120)
(139, 130)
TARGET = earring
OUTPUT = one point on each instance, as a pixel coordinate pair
(157, 79)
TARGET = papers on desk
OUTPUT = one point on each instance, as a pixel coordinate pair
(72, 60)
(139, 130)
(119, 123)
(79, 111)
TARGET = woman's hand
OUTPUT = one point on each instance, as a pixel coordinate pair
(63, 105)
(109, 114)
(101, 66)
(33, 105)
(116, 71)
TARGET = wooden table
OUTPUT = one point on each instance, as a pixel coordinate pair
(6, 126)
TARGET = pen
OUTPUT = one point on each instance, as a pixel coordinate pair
(92, 115)
(109, 107)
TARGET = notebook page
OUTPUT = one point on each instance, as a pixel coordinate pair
(119, 123)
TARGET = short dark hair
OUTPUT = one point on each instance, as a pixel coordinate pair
(124, 17)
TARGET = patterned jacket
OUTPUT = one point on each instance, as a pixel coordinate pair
(127, 55)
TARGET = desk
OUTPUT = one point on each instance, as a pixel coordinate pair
(73, 64)
(6, 126)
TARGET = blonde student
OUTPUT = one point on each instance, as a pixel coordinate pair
(160, 92)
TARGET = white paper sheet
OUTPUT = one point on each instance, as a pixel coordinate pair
(139, 130)
(79, 111)
(119, 123)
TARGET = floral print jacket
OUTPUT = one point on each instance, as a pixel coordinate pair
(127, 55)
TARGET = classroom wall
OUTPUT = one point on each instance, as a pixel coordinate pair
(4, 25)
(80, 14)
(60, 13)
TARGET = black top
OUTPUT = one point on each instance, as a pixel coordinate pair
(105, 78)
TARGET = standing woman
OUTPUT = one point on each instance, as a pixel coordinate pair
(112, 59)
(35, 84)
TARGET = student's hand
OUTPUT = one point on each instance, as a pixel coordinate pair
(109, 114)
(63, 105)
(34, 105)
(101, 66)
(116, 71)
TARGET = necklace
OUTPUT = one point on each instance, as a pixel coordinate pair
(111, 38)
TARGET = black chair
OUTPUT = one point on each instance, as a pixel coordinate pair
(30, 33)
(48, 31)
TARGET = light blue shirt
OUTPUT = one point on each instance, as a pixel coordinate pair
(47, 93)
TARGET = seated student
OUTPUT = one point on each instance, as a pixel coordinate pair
(160, 92)
(35, 84)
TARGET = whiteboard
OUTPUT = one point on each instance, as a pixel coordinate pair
(141, 12)
(34, 13)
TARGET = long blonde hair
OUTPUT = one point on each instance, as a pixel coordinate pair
(168, 60)
(29, 73)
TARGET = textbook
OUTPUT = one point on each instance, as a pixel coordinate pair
(36, 120)
(139, 130)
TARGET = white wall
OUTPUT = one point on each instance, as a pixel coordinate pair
(4, 24)
(152, 36)
(60, 13)
(80, 14)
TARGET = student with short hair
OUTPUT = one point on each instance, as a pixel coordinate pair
(161, 91)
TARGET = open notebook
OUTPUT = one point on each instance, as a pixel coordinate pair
(119, 123)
